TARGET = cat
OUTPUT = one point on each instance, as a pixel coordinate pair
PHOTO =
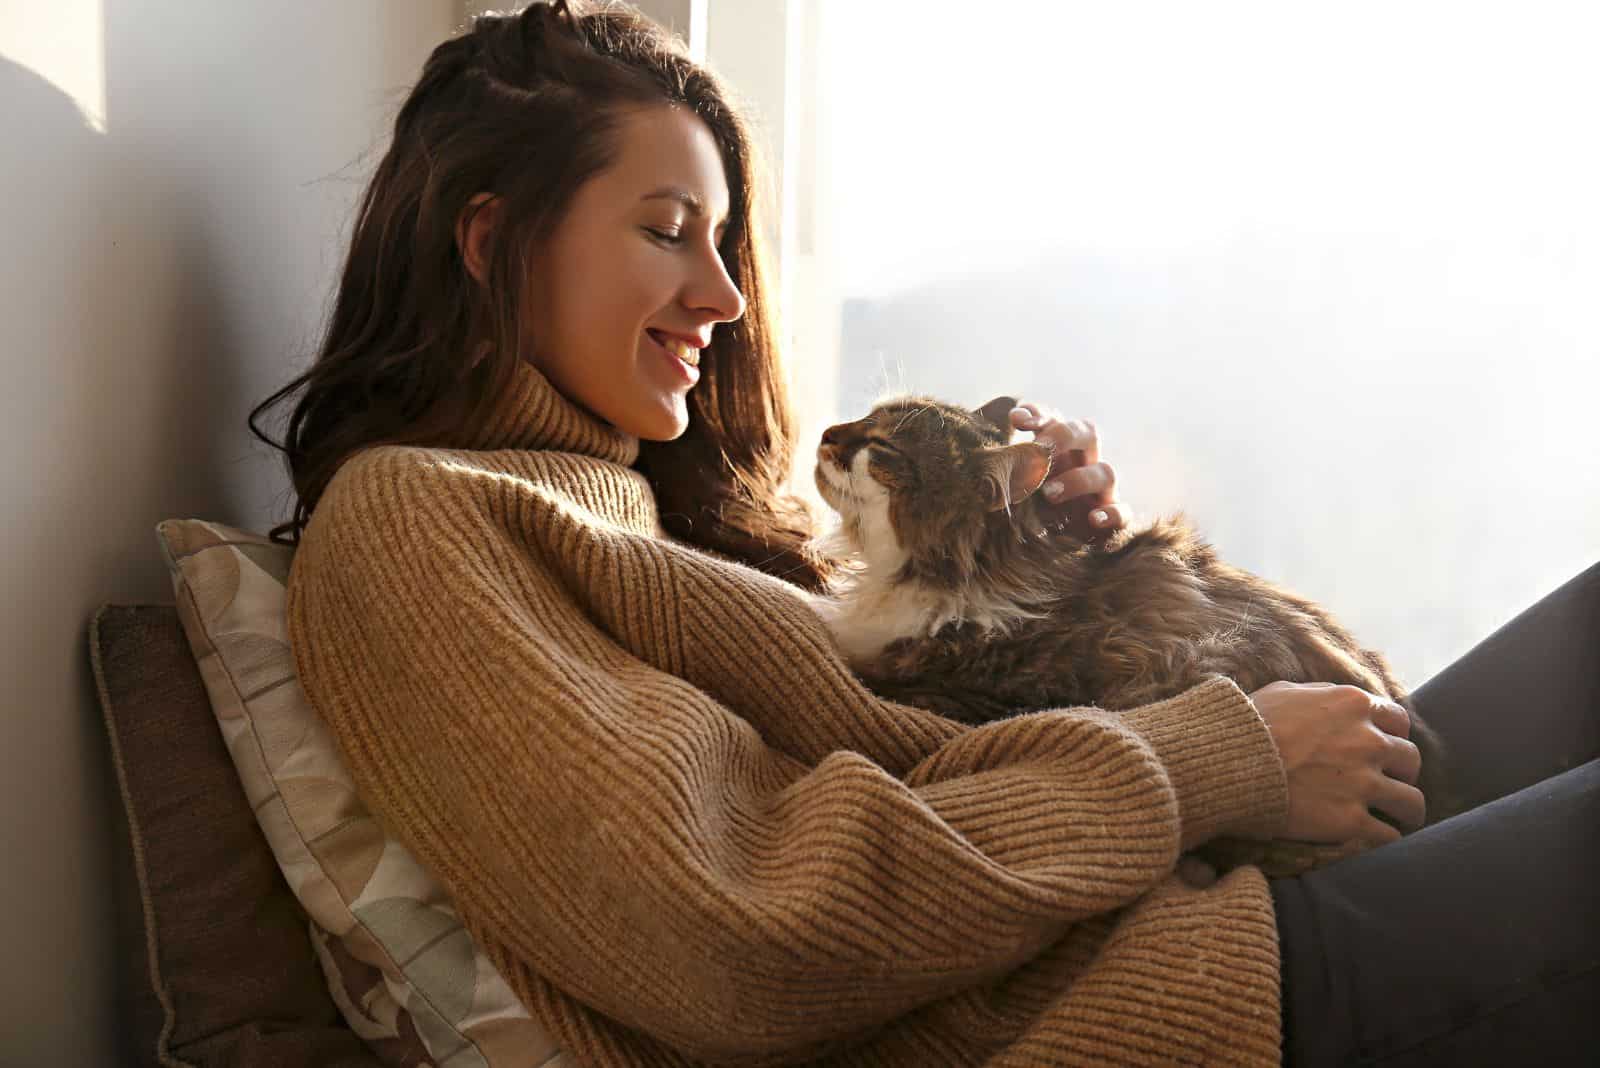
(958, 597)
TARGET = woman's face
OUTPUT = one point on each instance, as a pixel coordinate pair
(633, 266)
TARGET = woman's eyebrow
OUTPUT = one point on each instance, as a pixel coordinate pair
(689, 200)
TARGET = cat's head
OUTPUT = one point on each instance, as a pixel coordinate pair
(919, 479)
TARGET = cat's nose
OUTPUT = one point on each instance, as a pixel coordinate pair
(832, 440)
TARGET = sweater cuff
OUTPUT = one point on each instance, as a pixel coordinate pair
(1223, 763)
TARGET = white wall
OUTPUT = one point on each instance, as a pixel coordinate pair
(166, 261)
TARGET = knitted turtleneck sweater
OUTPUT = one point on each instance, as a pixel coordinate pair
(685, 833)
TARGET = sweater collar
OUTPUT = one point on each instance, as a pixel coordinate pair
(535, 415)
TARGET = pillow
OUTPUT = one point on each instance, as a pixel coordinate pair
(215, 964)
(398, 962)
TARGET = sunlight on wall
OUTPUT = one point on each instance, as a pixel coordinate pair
(64, 43)
(1325, 274)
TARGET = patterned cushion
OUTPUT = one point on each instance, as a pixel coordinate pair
(398, 962)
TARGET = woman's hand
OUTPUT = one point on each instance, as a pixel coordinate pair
(1081, 488)
(1343, 749)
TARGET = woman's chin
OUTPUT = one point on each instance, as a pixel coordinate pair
(665, 421)
(670, 436)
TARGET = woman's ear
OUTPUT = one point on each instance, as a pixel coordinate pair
(475, 232)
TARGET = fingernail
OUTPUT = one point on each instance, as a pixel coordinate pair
(1053, 490)
(1098, 518)
(1027, 416)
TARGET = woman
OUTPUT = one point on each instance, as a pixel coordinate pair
(552, 603)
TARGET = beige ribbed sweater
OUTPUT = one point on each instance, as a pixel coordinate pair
(685, 833)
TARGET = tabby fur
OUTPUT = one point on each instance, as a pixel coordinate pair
(960, 596)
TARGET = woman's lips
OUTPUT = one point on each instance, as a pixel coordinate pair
(677, 347)
(682, 357)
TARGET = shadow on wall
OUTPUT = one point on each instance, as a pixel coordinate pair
(118, 353)
(111, 347)
(187, 295)
(139, 284)
(248, 132)
(52, 758)
(158, 280)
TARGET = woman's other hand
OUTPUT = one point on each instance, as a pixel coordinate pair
(1343, 750)
(1081, 488)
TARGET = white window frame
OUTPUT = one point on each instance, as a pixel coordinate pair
(767, 50)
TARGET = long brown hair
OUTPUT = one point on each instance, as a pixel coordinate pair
(526, 107)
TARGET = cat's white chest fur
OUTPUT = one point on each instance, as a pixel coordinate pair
(871, 615)
(877, 605)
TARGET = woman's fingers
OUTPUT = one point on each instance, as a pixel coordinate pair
(1391, 717)
(1109, 516)
(1077, 475)
(1402, 802)
(1026, 416)
(1402, 760)
(1378, 833)
(1065, 435)
(1096, 479)
(1344, 754)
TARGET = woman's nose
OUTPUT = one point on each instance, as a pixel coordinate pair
(736, 304)
(716, 293)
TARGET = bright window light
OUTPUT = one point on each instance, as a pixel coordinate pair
(1325, 275)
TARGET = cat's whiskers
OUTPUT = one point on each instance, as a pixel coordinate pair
(889, 386)
(911, 415)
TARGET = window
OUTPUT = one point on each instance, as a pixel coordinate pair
(1325, 275)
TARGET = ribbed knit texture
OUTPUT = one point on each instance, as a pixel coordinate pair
(685, 833)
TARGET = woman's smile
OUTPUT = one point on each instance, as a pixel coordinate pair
(684, 357)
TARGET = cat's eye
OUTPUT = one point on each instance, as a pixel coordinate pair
(886, 448)
(889, 457)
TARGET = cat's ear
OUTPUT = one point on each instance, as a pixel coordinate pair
(1015, 471)
(997, 413)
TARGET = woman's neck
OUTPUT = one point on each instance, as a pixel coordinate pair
(533, 414)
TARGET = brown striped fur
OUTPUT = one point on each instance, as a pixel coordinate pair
(960, 598)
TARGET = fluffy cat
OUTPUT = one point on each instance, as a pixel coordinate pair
(957, 598)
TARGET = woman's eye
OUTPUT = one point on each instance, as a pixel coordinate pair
(668, 237)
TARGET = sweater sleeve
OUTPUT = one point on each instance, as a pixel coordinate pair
(645, 847)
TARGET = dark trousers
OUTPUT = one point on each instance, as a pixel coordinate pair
(1475, 941)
